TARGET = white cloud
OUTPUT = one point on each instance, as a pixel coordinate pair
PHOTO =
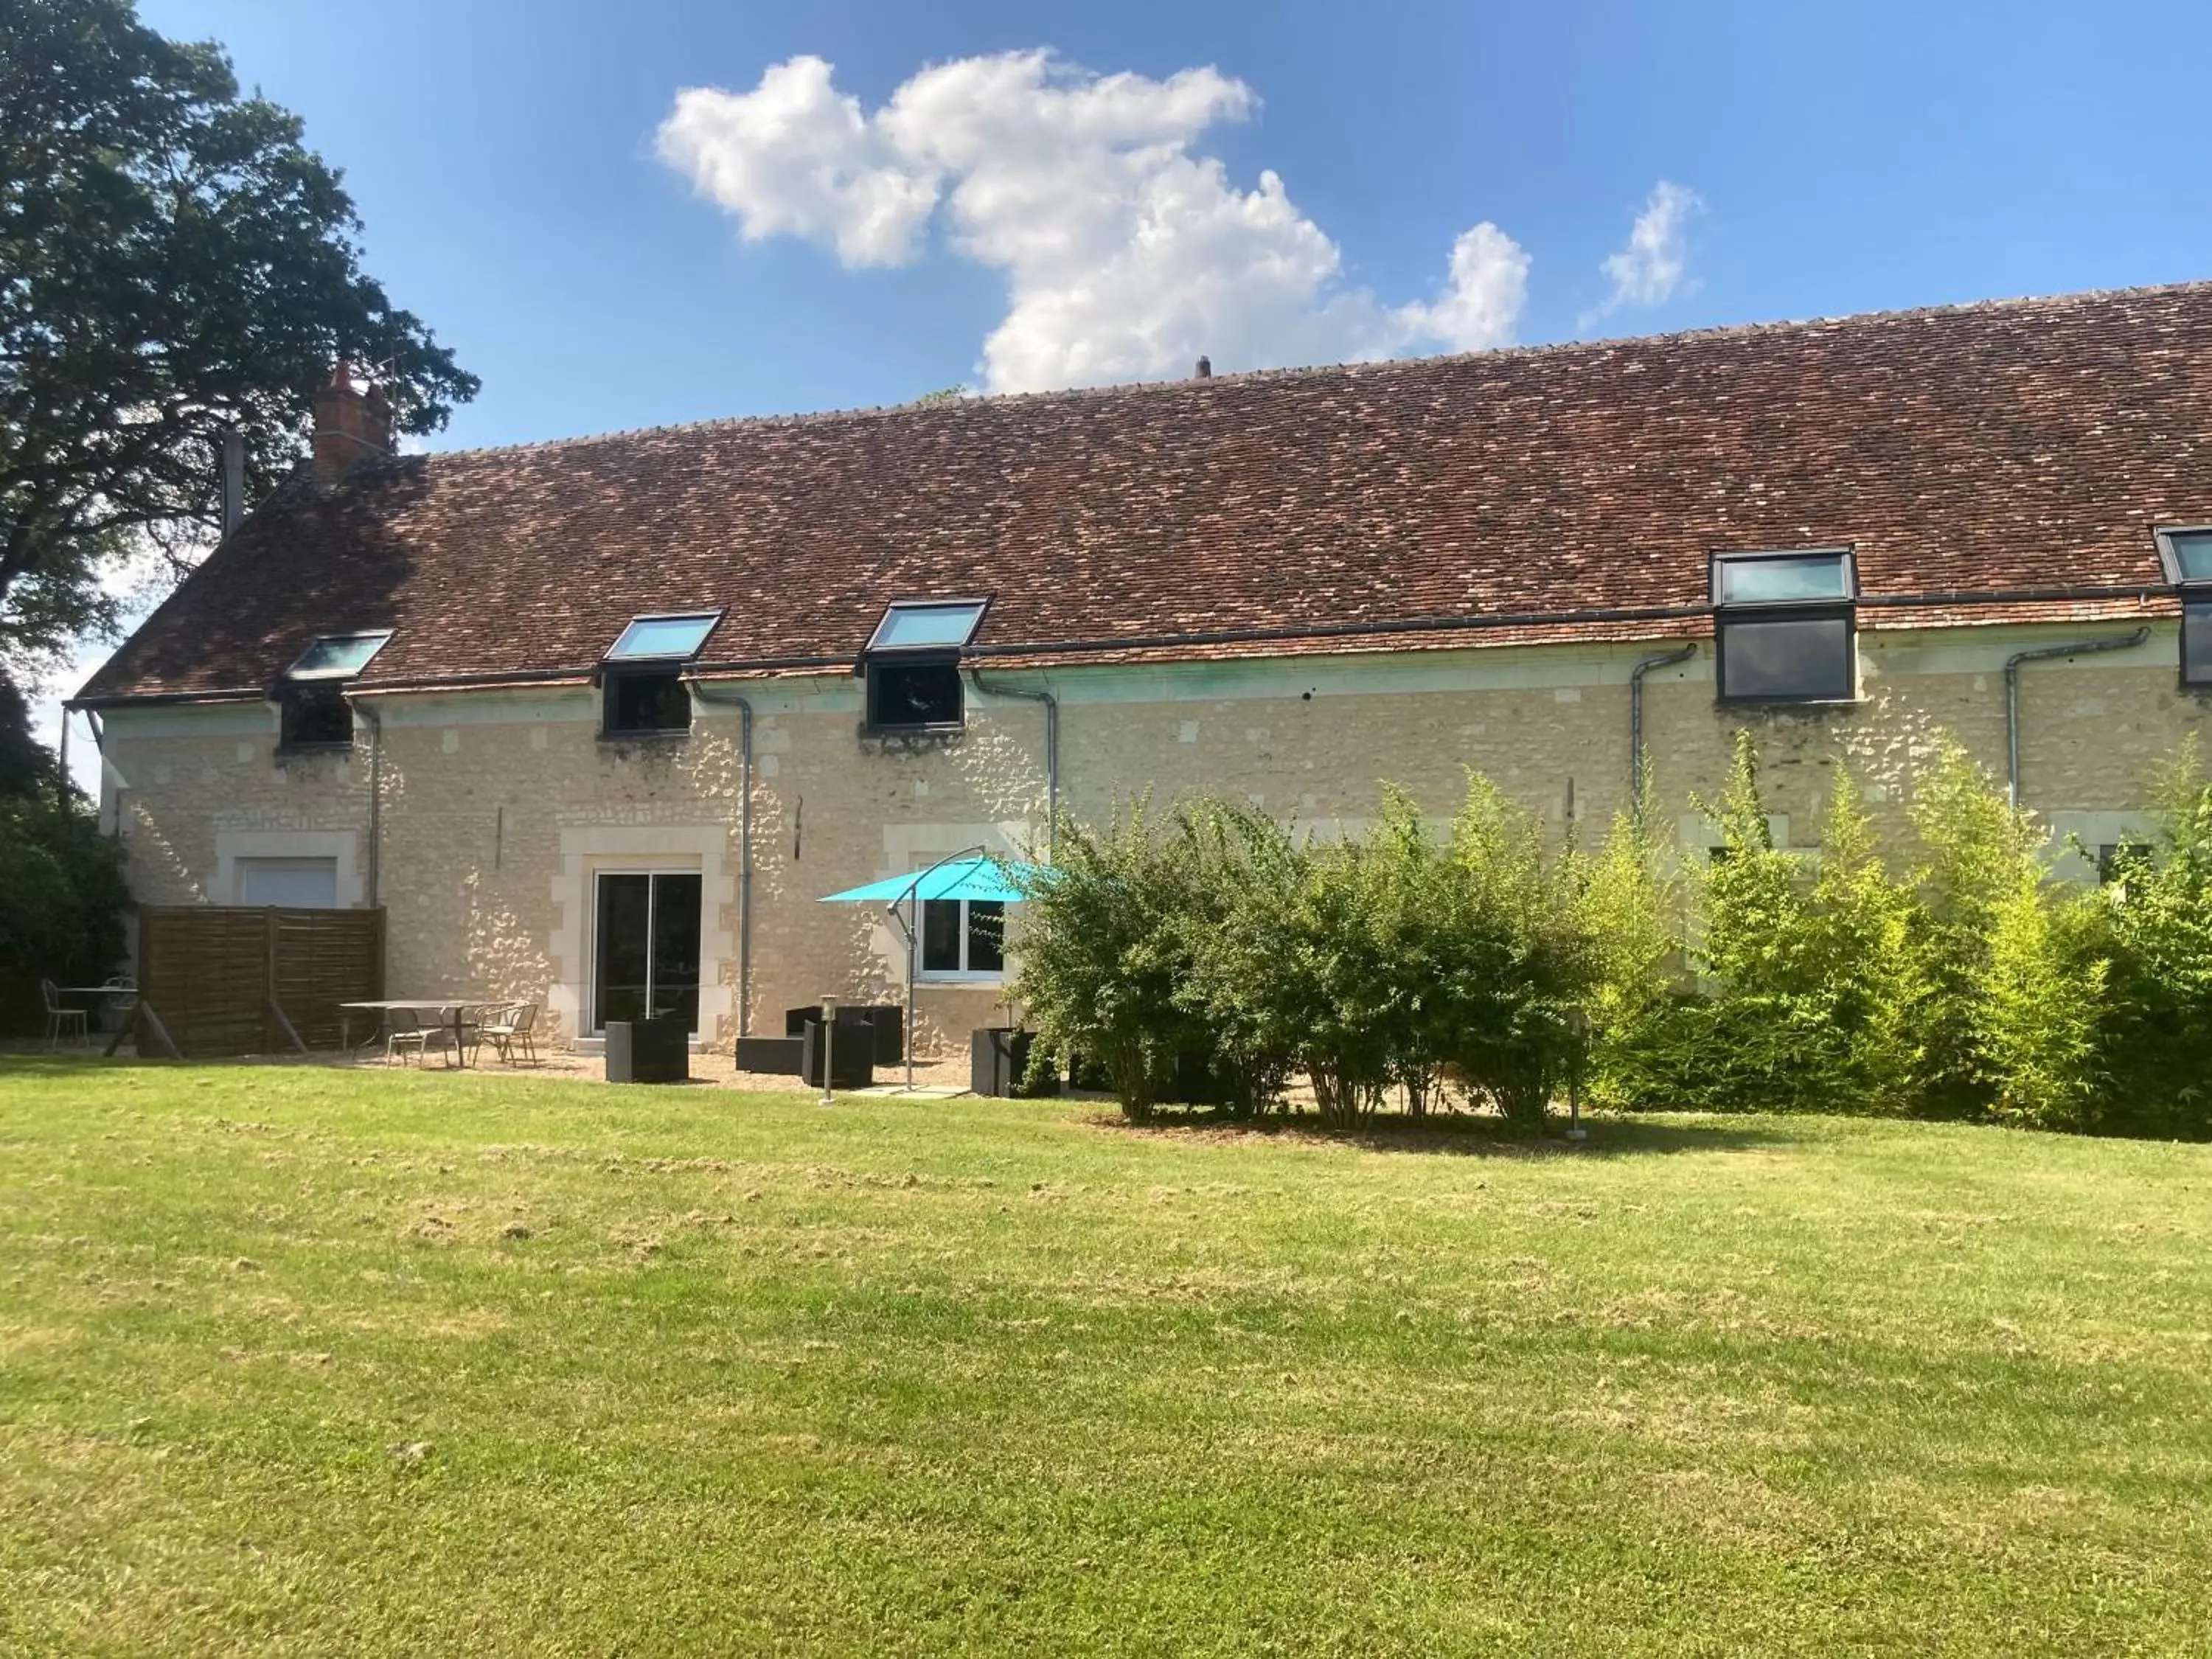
(794, 158)
(1125, 255)
(1655, 266)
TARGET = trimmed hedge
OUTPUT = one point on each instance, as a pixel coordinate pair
(1483, 966)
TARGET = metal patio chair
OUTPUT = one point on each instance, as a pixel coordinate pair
(60, 1020)
(511, 1029)
(402, 1029)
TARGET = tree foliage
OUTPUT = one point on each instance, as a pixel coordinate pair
(173, 264)
(61, 892)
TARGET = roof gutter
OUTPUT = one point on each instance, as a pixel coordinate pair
(1636, 720)
(375, 800)
(2080, 648)
(706, 693)
(997, 689)
(1482, 623)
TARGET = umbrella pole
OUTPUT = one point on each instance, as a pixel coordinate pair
(912, 924)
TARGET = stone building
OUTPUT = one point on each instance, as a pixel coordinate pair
(599, 721)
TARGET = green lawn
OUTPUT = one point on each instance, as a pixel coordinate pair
(307, 1361)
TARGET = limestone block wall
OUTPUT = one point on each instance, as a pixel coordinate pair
(499, 808)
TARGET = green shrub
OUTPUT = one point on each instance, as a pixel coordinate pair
(1757, 980)
(62, 891)
(2014, 979)
(2157, 1039)
(2038, 1001)
(1523, 964)
(1807, 992)
(1396, 958)
(1291, 972)
(1102, 944)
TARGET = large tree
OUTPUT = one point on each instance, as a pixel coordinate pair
(175, 263)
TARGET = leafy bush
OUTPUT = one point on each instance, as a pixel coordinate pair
(1807, 988)
(1523, 962)
(1106, 946)
(2014, 988)
(1758, 980)
(2157, 1039)
(1103, 945)
(61, 892)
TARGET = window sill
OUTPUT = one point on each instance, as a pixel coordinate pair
(307, 751)
(925, 982)
(671, 734)
(1852, 702)
(947, 728)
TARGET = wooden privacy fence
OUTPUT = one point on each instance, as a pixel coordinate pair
(216, 980)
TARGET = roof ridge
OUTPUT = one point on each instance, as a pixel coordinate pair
(1296, 371)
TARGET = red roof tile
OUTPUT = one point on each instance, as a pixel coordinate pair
(1985, 461)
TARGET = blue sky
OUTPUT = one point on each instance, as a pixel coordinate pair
(503, 153)
(525, 190)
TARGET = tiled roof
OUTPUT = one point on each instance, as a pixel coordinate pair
(1985, 461)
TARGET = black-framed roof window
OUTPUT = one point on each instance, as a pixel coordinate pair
(927, 625)
(2196, 643)
(2185, 551)
(677, 637)
(337, 656)
(1785, 625)
(1828, 575)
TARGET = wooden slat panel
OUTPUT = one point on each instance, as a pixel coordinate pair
(211, 971)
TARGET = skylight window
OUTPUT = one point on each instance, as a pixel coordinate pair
(1784, 628)
(930, 625)
(1790, 579)
(337, 656)
(664, 639)
(2186, 553)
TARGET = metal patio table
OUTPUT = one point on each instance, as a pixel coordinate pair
(447, 1013)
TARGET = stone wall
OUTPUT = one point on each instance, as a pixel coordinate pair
(498, 807)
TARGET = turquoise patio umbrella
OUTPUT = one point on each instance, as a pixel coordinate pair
(970, 873)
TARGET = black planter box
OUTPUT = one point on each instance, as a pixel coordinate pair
(852, 1059)
(1195, 1082)
(783, 1056)
(885, 1021)
(1090, 1074)
(998, 1065)
(649, 1051)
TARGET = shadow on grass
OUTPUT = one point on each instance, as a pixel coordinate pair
(1458, 1134)
(26, 1061)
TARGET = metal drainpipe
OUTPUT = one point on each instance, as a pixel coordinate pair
(1636, 718)
(375, 798)
(731, 699)
(2080, 649)
(1051, 747)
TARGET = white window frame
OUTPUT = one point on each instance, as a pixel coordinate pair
(254, 863)
(232, 845)
(962, 975)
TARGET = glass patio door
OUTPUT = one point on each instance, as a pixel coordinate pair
(645, 964)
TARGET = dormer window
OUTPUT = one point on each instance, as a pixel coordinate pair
(312, 712)
(642, 694)
(2187, 556)
(1784, 626)
(912, 664)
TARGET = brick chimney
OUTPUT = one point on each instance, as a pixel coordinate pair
(350, 425)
